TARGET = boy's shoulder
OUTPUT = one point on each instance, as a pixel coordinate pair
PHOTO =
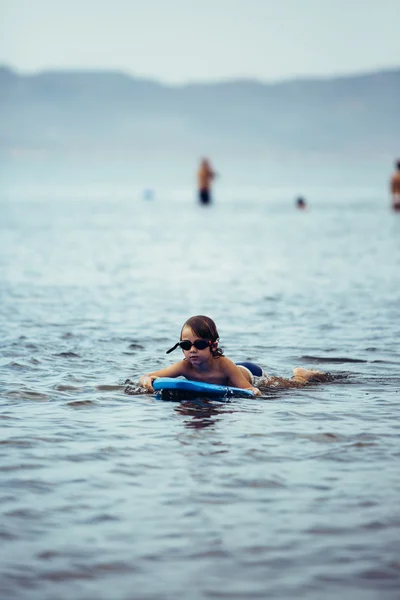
(224, 362)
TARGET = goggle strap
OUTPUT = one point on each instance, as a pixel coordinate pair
(173, 348)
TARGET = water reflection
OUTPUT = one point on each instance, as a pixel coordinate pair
(202, 412)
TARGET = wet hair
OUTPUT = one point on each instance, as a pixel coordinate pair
(206, 329)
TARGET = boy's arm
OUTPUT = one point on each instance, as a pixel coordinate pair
(147, 379)
(236, 377)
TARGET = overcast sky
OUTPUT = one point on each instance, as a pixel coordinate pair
(177, 41)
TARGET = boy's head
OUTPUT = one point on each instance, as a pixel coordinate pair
(206, 329)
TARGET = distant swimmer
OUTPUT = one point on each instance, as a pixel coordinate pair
(301, 203)
(205, 175)
(395, 187)
(148, 194)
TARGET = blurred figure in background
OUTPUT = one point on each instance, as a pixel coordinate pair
(205, 175)
(395, 187)
(301, 203)
(148, 194)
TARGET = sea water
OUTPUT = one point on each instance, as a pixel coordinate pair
(109, 493)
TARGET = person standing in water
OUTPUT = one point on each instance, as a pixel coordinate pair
(395, 187)
(205, 175)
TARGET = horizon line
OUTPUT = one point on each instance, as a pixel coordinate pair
(198, 82)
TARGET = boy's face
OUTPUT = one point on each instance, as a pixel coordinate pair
(194, 355)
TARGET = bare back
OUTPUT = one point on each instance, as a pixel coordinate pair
(205, 175)
(395, 183)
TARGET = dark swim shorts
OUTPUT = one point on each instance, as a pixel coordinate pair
(204, 196)
(255, 370)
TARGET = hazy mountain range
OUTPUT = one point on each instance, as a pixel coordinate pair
(113, 114)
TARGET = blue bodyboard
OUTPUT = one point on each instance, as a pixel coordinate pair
(171, 388)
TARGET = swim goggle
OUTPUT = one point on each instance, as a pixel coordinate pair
(186, 345)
